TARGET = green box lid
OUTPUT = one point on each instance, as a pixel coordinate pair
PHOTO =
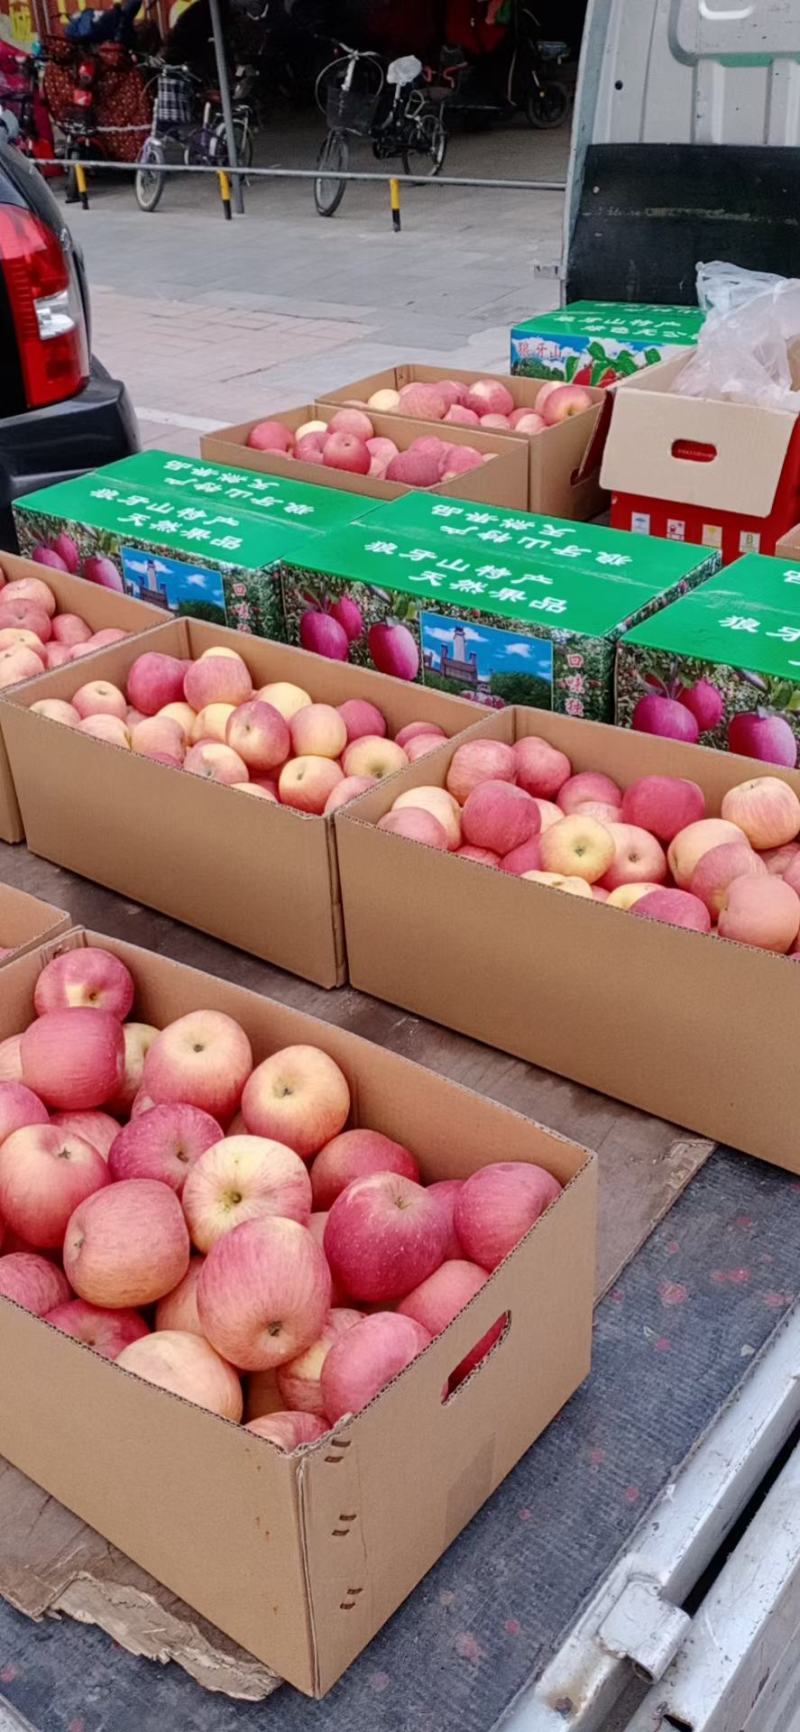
(741, 618)
(200, 531)
(618, 319)
(544, 593)
(279, 498)
(499, 533)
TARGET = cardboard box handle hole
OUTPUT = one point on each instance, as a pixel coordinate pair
(472, 1363)
(693, 451)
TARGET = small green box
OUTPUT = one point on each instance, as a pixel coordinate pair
(274, 498)
(185, 555)
(475, 619)
(597, 342)
(721, 665)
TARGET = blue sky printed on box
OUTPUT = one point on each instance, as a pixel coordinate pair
(145, 572)
(495, 651)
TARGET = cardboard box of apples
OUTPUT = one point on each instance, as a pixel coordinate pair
(49, 618)
(279, 1308)
(563, 437)
(380, 456)
(27, 923)
(667, 975)
(197, 771)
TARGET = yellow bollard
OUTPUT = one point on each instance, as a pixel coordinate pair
(225, 193)
(394, 197)
(81, 183)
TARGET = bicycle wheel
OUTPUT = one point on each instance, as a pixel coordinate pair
(244, 144)
(548, 105)
(150, 182)
(333, 159)
(424, 153)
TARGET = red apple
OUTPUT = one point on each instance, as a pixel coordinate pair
(479, 761)
(186, 1365)
(675, 908)
(44, 1175)
(11, 1059)
(346, 451)
(19, 1107)
(764, 912)
(96, 1128)
(663, 805)
(366, 1358)
(32, 1282)
(706, 703)
(270, 436)
(288, 1430)
(69, 629)
(361, 717)
(264, 1293)
(384, 1235)
(324, 636)
(483, 856)
(439, 1299)
(588, 785)
(690, 844)
(139, 1037)
(318, 731)
(766, 809)
(528, 858)
(353, 1155)
(417, 825)
(666, 717)
(498, 1205)
(240, 1179)
(393, 649)
(638, 858)
(202, 1059)
(127, 1245)
(348, 789)
(770, 738)
(178, 1309)
(163, 1143)
(259, 735)
(413, 730)
(108, 1332)
(90, 976)
(490, 397)
(299, 1380)
(155, 680)
(74, 1059)
(564, 402)
(499, 816)
(217, 679)
(306, 783)
(299, 1096)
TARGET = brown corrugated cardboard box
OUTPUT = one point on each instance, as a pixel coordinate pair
(101, 608)
(26, 923)
(302, 1558)
(564, 462)
(504, 481)
(690, 1027)
(256, 874)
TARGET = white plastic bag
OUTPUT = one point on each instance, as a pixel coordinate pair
(748, 350)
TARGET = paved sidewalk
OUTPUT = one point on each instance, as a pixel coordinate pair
(212, 322)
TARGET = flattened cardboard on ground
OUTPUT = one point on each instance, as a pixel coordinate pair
(53, 1565)
(27, 923)
(692, 1028)
(563, 463)
(724, 474)
(251, 872)
(302, 1558)
(504, 481)
(102, 609)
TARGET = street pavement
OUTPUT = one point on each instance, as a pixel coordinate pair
(213, 322)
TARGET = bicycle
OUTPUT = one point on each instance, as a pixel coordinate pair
(348, 92)
(174, 125)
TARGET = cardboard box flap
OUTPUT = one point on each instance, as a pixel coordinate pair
(726, 456)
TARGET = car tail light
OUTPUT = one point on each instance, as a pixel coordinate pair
(46, 308)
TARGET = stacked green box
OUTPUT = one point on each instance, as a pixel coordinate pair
(272, 498)
(497, 615)
(597, 342)
(188, 554)
(729, 655)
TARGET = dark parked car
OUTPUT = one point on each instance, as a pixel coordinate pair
(60, 412)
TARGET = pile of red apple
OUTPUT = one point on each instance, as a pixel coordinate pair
(487, 403)
(651, 848)
(197, 1218)
(35, 636)
(348, 441)
(205, 717)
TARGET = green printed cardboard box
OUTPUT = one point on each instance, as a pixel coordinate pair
(598, 342)
(722, 665)
(272, 498)
(188, 556)
(478, 620)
